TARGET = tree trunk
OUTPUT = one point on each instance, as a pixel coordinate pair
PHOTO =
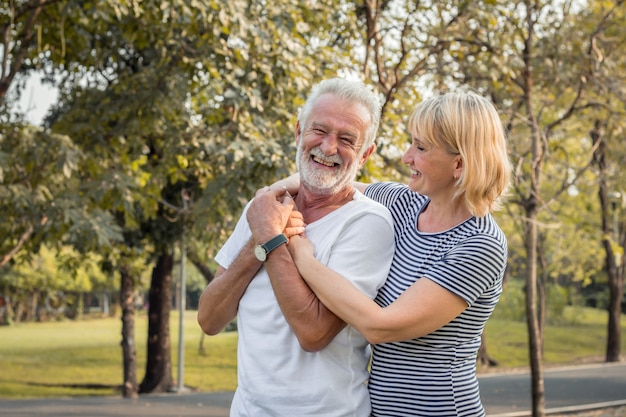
(80, 306)
(614, 266)
(31, 312)
(613, 343)
(200, 266)
(541, 286)
(535, 339)
(9, 314)
(19, 311)
(88, 301)
(158, 377)
(483, 357)
(129, 352)
(531, 235)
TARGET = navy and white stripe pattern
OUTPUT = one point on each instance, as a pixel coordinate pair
(435, 375)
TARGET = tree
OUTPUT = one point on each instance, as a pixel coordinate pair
(544, 83)
(537, 62)
(407, 53)
(613, 241)
(609, 156)
(51, 284)
(19, 34)
(37, 168)
(172, 99)
(412, 48)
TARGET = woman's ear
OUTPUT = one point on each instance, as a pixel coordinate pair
(458, 167)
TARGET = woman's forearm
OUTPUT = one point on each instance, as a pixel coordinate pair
(421, 309)
(291, 184)
(339, 295)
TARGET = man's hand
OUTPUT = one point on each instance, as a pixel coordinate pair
(270, 213)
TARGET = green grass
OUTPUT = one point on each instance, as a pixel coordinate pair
(74, 358)
(580, 337)
(77, 358)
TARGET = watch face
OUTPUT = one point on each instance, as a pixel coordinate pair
(260, 254)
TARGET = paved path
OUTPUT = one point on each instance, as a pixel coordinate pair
(567, 389)
(504, 395)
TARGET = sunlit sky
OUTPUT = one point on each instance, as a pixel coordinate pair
(36, 99)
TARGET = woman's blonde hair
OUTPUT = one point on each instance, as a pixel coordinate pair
(467, 124)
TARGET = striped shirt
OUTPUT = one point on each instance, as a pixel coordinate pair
(435, 375)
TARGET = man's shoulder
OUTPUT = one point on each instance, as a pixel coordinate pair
(366, 202)
(363, 206)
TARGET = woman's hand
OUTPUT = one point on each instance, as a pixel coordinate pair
(300, 247)
(295, 225)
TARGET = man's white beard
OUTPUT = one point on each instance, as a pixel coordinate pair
(319, 180)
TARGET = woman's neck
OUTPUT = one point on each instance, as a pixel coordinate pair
(438, 217)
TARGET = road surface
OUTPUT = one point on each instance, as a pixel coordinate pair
(504, 395)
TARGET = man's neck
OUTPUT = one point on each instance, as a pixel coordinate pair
(314, 206)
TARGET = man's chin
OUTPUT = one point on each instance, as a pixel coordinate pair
(320, 189)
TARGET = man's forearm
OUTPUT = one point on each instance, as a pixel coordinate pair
(220, 299)
(314, 325)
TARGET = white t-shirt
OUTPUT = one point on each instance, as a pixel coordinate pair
(276, 377)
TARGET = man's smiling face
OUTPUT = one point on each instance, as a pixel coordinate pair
(330, 144)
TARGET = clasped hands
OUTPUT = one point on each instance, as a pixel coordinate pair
(274, 211)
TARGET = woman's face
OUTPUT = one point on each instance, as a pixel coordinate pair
(432, 168)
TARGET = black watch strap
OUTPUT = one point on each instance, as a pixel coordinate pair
(261, 251)
(274, 242)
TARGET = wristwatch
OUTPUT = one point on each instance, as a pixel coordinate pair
(261, 251)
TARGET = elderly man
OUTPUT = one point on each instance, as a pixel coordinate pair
(295, 357)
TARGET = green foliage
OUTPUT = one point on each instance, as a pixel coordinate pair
(512, 302)
(57, 271)
(563, 304)
(38, 194)
(196, 98)
(557, 301)
(52, 283)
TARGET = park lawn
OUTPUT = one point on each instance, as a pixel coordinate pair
(78, 358)
(580, 338)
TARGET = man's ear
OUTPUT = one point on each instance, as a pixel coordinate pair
(298, 132)
(368, 152)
